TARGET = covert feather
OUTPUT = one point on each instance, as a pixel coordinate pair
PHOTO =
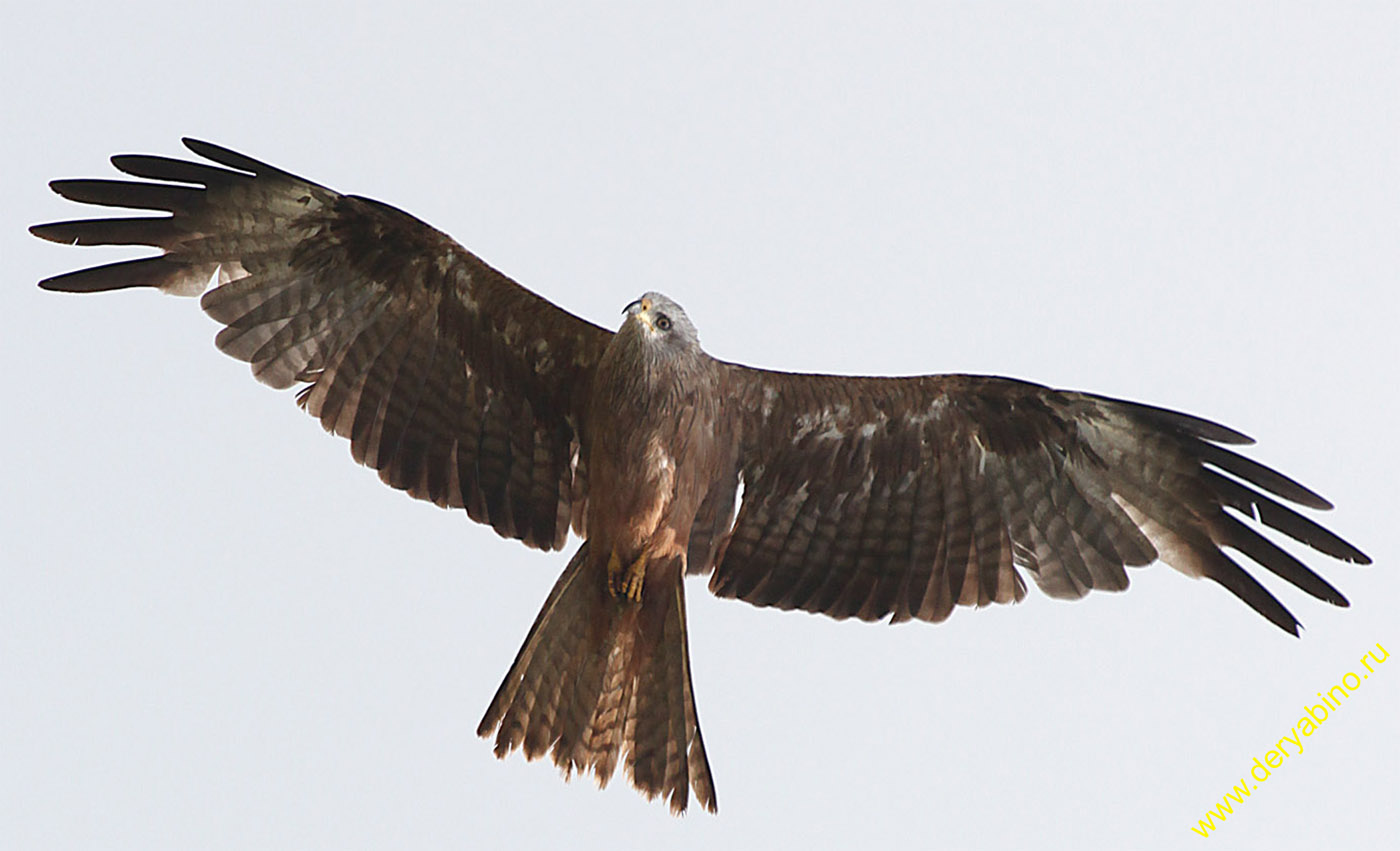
(899, 498)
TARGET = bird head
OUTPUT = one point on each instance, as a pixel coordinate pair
(659, 320)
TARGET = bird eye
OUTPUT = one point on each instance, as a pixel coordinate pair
(663, 322)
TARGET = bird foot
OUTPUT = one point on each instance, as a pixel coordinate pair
(626, 582)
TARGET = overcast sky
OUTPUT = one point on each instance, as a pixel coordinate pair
(216, 631)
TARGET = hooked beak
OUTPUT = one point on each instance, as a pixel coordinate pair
(641, 311)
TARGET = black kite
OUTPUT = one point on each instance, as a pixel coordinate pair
(864, 497)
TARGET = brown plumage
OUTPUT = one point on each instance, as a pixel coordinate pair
(862, 497)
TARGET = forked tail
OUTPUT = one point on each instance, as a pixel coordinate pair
(598, 677)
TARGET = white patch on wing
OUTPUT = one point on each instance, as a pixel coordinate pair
(464, 288)
(829, 420)
(192, 285)
(933, 412)
(789, 506)
(544, 361)
(906, 481)
(866, 485)
(1170, 548)
(770, 395)
(981, 455)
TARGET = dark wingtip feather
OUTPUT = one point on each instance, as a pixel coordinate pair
(1267, 478)
(224, 156)
(160, 273)
(1275, 559)
(180, 171)
(1276, 516)
(149, 230)
(136, 195)
(1181, 422)
(1224, 571)
(113, 276)
(56, 284)
(1201, 427)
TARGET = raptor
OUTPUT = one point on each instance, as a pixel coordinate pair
(867, 497)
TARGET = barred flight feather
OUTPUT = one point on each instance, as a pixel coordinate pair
(861, 497)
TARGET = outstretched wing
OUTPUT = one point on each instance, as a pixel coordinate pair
(870, 497)
(454, 382)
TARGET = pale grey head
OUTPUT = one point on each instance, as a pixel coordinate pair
(661, 322)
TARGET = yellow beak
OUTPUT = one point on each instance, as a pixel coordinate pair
(641, 311)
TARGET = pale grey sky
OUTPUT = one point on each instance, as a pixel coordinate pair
(217, 632)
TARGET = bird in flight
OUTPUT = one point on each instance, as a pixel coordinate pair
(867, 497)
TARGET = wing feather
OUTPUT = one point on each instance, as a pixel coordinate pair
(908, 497)
(926, 533)
(873, 542)
(957, 541)
(458, 385)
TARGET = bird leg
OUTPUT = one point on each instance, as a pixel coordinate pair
(626, 582)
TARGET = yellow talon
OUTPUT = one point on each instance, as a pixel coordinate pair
(626, 583)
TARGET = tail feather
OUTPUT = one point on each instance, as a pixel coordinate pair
(697, 764)
(599, 681)
(523, 689)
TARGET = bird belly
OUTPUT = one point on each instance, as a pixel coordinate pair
(636, 522)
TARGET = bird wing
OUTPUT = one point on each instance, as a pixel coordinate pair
(870, 497)
(457, 384)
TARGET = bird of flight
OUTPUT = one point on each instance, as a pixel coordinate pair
(865, 497)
